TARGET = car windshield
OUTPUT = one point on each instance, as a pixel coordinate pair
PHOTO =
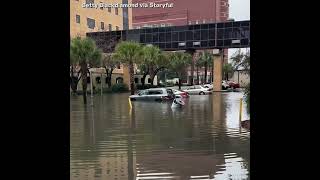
(169, 91)
(142, 92)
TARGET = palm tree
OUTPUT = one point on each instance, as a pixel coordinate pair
(85, 53)
(129, 52)
(198, 64)
(151, 55)
(109, 63)
(179, 61)
(227, 69)
(206, 59)
(160, 64)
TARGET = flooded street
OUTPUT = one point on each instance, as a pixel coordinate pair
(153, 141)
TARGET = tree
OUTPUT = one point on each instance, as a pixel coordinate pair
(242, 60)
(109, 63)
(85, 53)
(179, 61)
(160, 64)
(75, 75)
(128, 53)
(206, 60)
(151, 56)
(227, 70)
(144, 69)
(199, 64)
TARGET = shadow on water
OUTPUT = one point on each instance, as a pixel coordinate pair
(154, 141)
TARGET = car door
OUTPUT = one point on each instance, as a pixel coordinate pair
(191, 90)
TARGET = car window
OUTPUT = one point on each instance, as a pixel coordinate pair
(169, 91)
(142, 92)
(152, 92)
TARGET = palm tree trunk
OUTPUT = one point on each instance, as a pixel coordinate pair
(192, 71)
(152, 74)
(131, 73)
(143, 80)
(110, 78)
(205, 71)
(212, 73)
(198, 75)
(84, 70)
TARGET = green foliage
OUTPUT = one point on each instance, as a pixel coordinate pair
(109, 62)
(84, 51)
(206, 56)
(128, 52)
(241, 60)
(121, 87)
(151, 55)
(179, 61)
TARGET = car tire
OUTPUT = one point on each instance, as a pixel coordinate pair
(201, 93)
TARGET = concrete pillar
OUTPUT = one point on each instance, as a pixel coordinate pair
(217, 107)
(126, 76)
(217, 72)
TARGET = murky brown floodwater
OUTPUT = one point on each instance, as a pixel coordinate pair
(200, 141)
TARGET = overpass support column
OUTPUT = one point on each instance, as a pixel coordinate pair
(217, 71)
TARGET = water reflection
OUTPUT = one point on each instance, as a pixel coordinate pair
(153, 141)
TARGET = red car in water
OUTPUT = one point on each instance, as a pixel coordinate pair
(233, 84)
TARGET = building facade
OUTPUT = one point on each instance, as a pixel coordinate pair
(182, 12)
(84, 20)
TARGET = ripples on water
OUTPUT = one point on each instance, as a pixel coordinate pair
(153, 141)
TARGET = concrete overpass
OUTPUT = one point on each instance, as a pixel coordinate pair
(223, 35)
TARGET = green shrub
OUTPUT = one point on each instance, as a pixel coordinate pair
(119, 88)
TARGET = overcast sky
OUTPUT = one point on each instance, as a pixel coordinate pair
(238, 10)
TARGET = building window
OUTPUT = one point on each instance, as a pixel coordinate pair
(102, 25)
(110, 27)
(109, 9)
(78, 19)
(91, 23)
(116, 11)
(101, 6)
(136, 80)
(117, 28)
(89, 1)
(149, 80)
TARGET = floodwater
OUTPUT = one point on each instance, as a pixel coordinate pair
(152, 141)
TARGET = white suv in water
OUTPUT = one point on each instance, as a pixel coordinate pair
(198, 89)
(224, 85)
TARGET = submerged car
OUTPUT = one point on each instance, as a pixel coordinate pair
(153, 94)
(198, 89)
(183, 94)
(224, 85)
(233, 84)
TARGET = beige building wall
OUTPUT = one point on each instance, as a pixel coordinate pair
(99, 15)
